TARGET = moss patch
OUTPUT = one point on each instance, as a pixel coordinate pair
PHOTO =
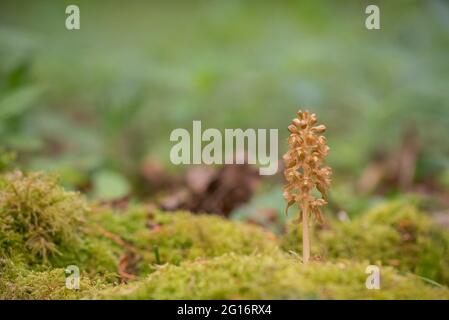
(275, 276)
(160, 237)
(19, 282)
(38, 217)
(179, 255)
(43, 226)
(395, 234)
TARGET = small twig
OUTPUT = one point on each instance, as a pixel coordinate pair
(123, 267)
(126, 259)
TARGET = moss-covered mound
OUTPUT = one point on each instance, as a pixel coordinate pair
(179, 255)
(42, 225)
(19, 282)
(38, 219)
(159, 237)
(395, 234)
(275, 276)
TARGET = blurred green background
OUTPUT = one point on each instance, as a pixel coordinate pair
(95, 103)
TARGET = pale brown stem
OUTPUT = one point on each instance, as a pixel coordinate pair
(305, 234)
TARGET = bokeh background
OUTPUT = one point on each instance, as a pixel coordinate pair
(97, 105)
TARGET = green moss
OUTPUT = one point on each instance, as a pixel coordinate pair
(44, 228)
(38, 217)
(395, 234)
(95, 256)
(41, 224)
(18, 282)
(161, 237)
(275, 276)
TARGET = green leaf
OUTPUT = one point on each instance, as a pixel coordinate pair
(109, 185)
(18, 101)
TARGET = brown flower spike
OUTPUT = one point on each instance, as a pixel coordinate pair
(305, 171)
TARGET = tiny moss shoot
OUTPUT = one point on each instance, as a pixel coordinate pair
(305, 171)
